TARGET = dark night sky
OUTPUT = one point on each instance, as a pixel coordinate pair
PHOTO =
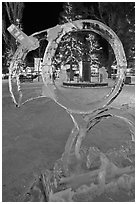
(38, 16)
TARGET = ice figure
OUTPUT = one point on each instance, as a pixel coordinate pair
(81, 174)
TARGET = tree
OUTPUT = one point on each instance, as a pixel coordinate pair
(79, 46)
(11, 14)
(95, 51)
(120, 16)
(68, 52)
(92, 54)
(68, 13)
(75, 47)
(77, 10)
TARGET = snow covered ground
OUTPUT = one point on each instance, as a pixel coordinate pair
(34, 136)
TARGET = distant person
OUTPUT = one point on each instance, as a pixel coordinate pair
(103, 76)
(68, 74)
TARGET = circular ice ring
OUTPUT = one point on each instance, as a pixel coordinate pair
(54, 37)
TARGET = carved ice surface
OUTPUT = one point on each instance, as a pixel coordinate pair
(105, 178)
(83, 100)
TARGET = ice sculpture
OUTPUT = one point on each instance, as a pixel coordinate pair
(82, 173)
